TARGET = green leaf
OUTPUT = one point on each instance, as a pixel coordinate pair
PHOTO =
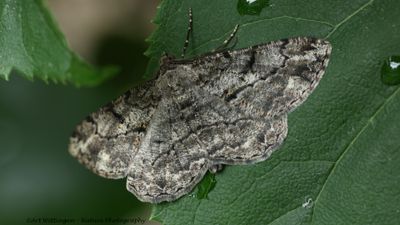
(31, 43)
(205, 186)
(340, 163)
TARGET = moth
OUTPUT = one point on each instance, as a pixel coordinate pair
(227, 107)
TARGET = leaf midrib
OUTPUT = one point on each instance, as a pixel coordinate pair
(348, 147)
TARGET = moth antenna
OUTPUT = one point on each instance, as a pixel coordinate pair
(228, 40)
(189, 31)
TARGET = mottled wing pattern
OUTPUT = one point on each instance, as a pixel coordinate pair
(187, 135)
(262, 84)
(107, 140)
(224, 108)
(266, 80)
(248, 94)
(170, 161)
(227, 108)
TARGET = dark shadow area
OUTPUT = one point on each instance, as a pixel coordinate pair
(39, 179)
(127, 54)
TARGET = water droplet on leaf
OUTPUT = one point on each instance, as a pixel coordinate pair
(308, 203)
(390, 71)
(251, 7)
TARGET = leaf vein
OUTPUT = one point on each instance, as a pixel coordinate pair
(349, 17)
(348, 147)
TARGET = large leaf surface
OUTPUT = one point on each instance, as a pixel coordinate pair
(31, 43)
(340, 163)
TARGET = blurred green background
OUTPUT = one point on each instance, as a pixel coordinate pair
(38, 177)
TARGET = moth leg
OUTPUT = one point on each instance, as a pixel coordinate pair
(216, 168)
(189, 31)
